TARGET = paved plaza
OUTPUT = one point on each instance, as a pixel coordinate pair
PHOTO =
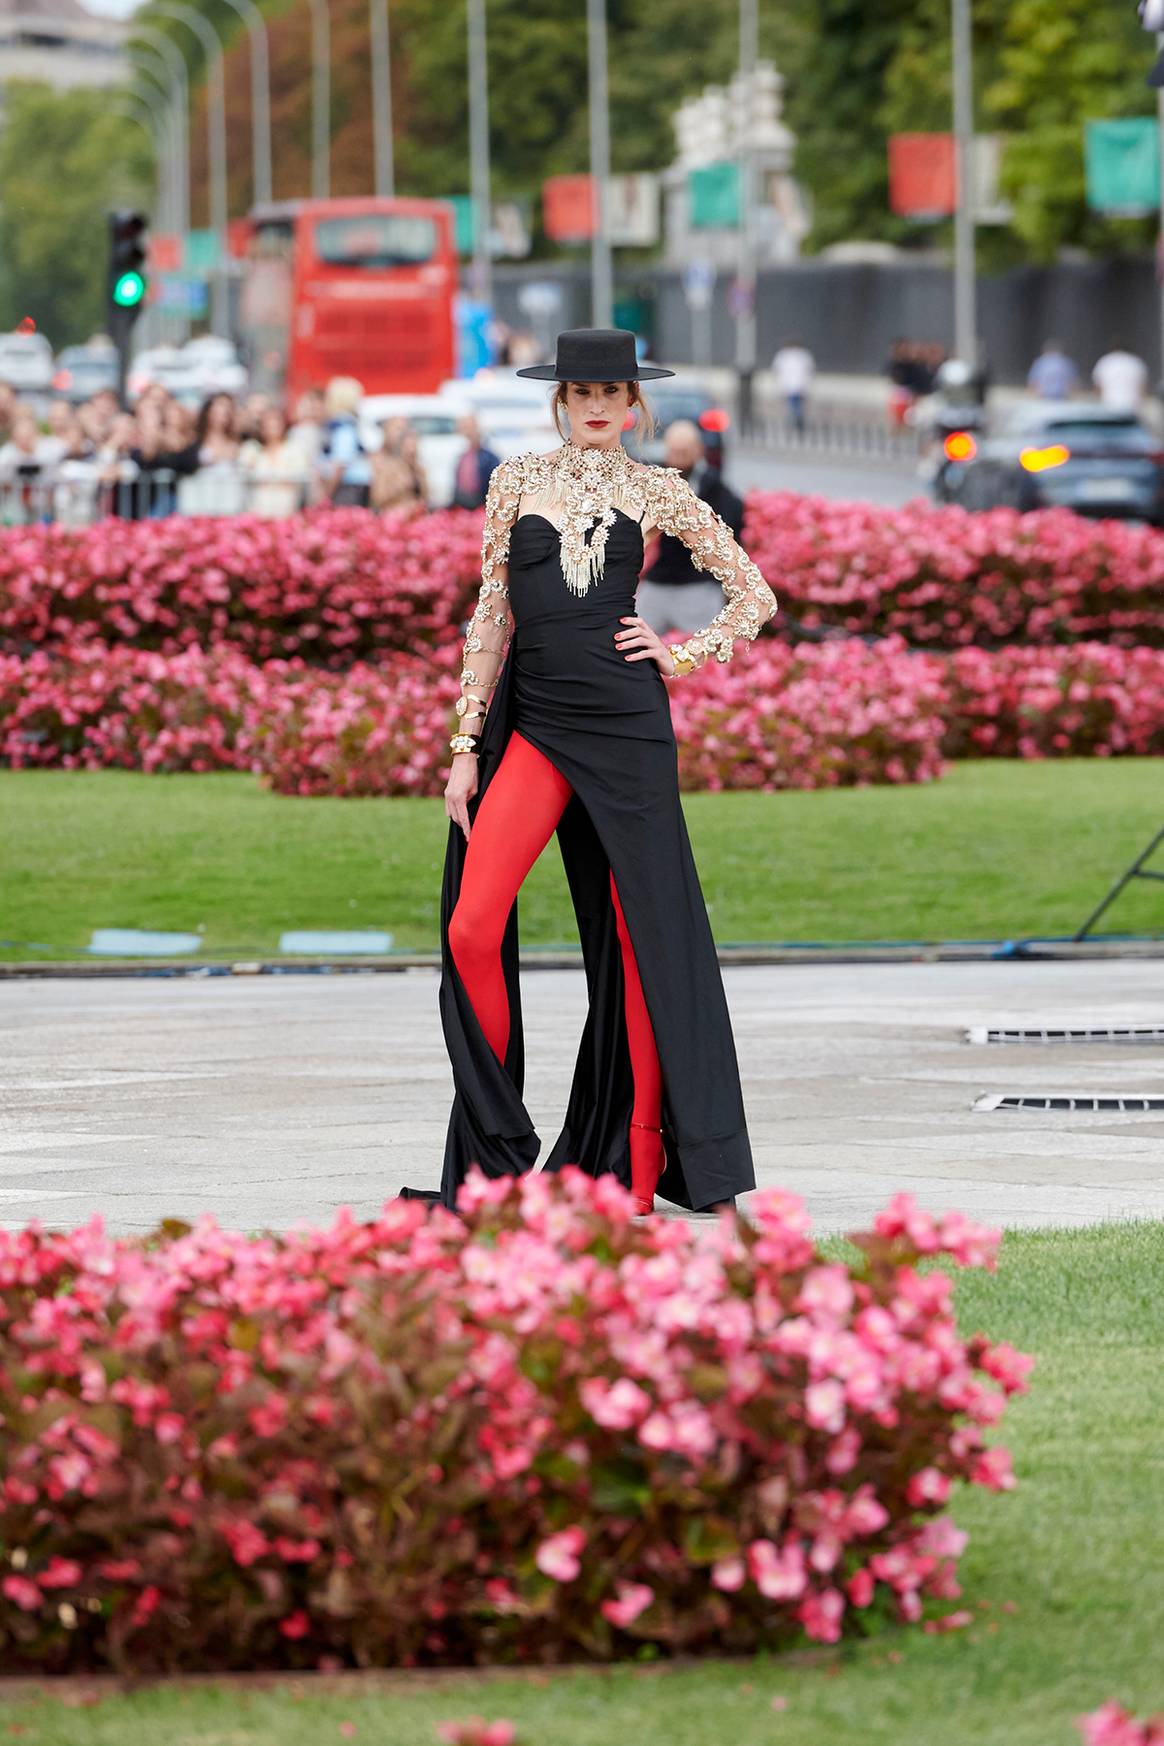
(271, 1099)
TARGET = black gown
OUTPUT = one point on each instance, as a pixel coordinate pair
(605, 722)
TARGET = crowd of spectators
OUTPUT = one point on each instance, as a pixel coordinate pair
(77, 462)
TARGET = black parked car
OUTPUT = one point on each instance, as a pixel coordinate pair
(1089, 458)
(672, 399)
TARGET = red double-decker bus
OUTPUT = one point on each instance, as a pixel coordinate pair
(355, 287)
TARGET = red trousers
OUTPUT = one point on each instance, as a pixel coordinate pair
(516, 817)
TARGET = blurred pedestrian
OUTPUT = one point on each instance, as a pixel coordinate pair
(217, 430)
(398, 482)
(794, 368)
(344, 467)
(1053, 376)
(1121, 379)
(674, 594)
(275, 467)
(475, 465)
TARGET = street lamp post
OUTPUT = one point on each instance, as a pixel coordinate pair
(480, 273)
(965, 313)
(320, 100)
(171, 58)
(260, 97)
(216, 144)
(381, 97)
(745, 286)
(601, 268)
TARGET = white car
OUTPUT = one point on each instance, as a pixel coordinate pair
(165, 365)
(26, 362)
(512, 411)
(214, 365)
(434, 419)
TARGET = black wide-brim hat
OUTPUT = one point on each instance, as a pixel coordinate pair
(595, 354)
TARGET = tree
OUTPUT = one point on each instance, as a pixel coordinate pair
(65, 161)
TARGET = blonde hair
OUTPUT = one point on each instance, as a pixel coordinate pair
(647, 421)
(343, 394)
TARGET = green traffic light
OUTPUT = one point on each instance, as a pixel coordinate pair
(129, 290)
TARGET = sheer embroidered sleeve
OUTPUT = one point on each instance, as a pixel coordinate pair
(675, 508)
(491, 625)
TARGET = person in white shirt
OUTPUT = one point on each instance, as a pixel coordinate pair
(794, 368)
(1121, 379)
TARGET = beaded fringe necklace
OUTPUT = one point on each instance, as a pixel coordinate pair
(588, 483)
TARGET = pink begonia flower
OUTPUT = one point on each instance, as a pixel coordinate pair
(557, 1557)
(928, 1486)
(617, 1406)
(476, 1731)
(728, 1574)
(778, 1575)
(949, 1622)
(633, 1598)
(824, 1405)
(1111, 1725)
(295, 1625)
(60, 1573)
(821, 1615)
(993, 1470)
(860, 1588)
(25, 1593)
(1007, 1366)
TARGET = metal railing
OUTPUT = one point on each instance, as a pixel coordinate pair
(76, 499)
(838, 433)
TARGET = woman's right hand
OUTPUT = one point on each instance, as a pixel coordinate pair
(460, 789)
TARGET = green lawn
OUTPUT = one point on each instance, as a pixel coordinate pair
(1065, 1576)
(995, 850)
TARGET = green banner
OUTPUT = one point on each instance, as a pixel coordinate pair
(201, 253)
(713, 194)
(1122, 160)
(462, 205)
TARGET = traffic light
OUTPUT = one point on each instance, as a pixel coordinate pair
(126, 282)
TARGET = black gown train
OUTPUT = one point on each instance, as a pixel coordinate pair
(605, 723)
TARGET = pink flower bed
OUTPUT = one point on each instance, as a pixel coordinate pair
(776, 717)
(1111, 1725)
(945, 577)
(338, 586)
(335, 586)
(544, 1433)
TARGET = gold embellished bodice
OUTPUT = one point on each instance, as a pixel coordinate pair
(580, 488)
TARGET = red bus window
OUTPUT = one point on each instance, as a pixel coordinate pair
(375, 239)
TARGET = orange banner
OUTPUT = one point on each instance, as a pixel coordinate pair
(568, 208)
(922, 175)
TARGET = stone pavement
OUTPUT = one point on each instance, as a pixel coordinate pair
(272, 1099)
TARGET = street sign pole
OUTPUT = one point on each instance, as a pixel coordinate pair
(965, 313)
(745, 297)
(601, 269)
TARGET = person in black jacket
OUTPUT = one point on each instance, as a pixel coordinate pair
(674, 594)
(475, 468)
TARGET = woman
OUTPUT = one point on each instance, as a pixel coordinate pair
(274, 465)
(217, 486)
(578, 739)
(398, 481)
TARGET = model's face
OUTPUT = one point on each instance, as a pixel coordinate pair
(597, 411)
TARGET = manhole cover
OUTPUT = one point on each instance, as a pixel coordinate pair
(1065, 1034)
(1127, 1102)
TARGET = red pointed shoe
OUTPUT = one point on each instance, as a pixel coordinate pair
(646, 1172)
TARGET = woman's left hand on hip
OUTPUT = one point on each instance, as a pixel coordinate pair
(638, 636)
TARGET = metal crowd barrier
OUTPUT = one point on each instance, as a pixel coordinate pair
(840, 433)
(54, 496)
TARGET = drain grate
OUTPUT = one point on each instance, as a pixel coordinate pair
(1065, 1034)
(1124, 1103)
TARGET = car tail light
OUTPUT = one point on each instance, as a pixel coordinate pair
(62, 379)
(1040, 460)
(960, 446)
(715, 418)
